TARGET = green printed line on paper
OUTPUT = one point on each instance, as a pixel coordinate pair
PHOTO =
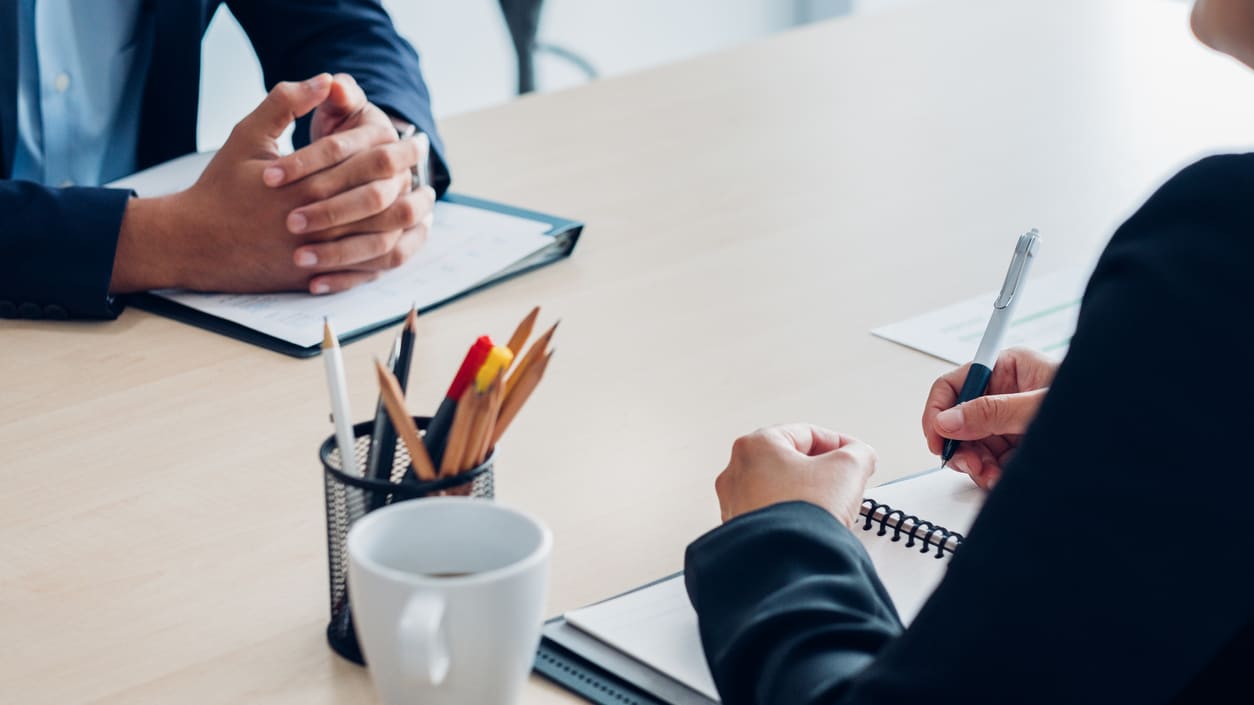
(1045, 312)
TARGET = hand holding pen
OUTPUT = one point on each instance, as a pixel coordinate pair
(990, 427)
(963, 413)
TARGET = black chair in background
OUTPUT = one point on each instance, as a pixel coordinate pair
(522, 17)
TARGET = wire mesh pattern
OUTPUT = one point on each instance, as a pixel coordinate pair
(351, 497)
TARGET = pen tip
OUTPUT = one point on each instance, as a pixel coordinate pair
(411, 323)
(328, 336)
(944, 463)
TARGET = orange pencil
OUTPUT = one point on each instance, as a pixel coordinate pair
(537, 351)
(496, 396)
(478, 427)
(519, 338)
(458, 434)
(513, 403)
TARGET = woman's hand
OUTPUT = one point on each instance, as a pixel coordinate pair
(796, 462)
(991, 426)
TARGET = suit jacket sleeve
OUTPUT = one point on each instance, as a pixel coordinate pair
(56, 250)
(1111, 562)
(296, 39)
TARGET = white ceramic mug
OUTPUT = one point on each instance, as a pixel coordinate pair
(448, 598)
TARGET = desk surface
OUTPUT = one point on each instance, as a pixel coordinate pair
(751, 216)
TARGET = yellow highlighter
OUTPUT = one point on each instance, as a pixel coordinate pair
(498, 359)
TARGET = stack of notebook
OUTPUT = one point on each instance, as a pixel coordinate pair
(643, 647)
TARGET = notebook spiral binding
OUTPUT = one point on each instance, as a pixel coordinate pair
(914, 529)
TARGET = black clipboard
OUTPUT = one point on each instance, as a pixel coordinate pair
(565, 234)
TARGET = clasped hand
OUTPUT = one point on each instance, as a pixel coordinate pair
(325, 218)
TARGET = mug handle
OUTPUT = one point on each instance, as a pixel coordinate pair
(421, 641)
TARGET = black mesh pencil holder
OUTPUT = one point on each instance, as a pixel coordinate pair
(351, 497)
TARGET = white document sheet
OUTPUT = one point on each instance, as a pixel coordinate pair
(466, 247)
(657, 626)
(1044, 320)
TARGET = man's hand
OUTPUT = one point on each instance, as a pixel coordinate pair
(797, 462)
(226, 232)
(992, 425)
(359, 174)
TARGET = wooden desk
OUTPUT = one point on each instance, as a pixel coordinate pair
(751, 216)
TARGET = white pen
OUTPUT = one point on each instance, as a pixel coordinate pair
(340, 414)
(1003, 312)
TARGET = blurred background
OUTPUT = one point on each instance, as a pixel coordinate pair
(469, 58)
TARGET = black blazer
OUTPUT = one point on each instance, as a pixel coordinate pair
(57, 244)
(1114, 562)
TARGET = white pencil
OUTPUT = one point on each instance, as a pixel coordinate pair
(339, 400)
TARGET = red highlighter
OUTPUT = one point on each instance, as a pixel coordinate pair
(437, 431)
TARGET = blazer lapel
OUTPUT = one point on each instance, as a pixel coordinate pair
(8, 85)
(167, 125)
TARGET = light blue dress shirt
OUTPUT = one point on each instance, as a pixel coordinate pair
(81, 70)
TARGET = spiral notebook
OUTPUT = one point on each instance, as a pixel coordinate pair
(643, 648)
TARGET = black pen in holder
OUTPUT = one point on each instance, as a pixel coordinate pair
(350, 497)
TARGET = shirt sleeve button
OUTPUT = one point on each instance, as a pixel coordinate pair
(55, 312)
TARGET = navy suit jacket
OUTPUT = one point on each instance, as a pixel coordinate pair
(1111, 564)
(57, 244)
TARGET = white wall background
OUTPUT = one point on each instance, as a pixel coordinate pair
(468, 59)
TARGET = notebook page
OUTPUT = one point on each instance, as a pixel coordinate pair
(657, 626)
(466, 246)
(942, 497)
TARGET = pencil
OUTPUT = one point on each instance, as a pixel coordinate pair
(478, 427)
(514, 402)
(458, 434)
(401, 369)
(340, 414)
(537, 351)
(382, 438)
(404, 424)
(437, 430)
(495, 397)
(523, 332)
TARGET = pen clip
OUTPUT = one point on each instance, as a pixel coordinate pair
(1024, 251)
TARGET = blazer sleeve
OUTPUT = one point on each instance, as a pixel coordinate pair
(1111, 562)
(296, 39)
(56, 250)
